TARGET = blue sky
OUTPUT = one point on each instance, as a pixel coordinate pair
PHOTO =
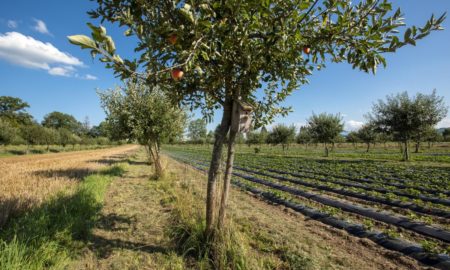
(52, 74)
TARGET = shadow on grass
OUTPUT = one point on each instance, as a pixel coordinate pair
(103, 247)
(134, 162)
(113, 222)
(17, 152)
(79, 173)
(72, 173)
(47, 236)
(106, 161)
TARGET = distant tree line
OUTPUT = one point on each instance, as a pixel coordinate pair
(400, 118)
(18, 127)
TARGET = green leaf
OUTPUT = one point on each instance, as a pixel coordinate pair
(83, 41)
(110, 46)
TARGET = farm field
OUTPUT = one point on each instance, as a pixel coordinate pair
(438, 152)
(126, 225)
(26, 181)
(407, 201)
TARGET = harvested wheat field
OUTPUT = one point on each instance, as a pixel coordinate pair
(26, 181)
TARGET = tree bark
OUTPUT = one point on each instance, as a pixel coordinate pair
(326, 150)
(368, 148)
(417, 147)
(405, 151)
(216, 159)
(227, 179)
(154, 152)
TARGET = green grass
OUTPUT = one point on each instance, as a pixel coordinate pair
(50, 236)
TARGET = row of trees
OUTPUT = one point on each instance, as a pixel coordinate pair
(400, 118)
(17, 126)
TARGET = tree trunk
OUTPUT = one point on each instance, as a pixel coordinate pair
(153, 150)
(405, 151)
(368, 147)
(216, 159)
(417, 147)
(227, 179)
(326, 150)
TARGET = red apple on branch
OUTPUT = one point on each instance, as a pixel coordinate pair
(306, 49)
(177, 74)
(173, 39)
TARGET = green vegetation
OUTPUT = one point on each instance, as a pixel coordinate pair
(371, 183)
(408, 118)
(50, 236)
(17, 127)
(137, 112)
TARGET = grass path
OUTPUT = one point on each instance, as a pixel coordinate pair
(130, 233)
(130, 230)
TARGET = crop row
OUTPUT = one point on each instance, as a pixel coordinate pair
(441, 261)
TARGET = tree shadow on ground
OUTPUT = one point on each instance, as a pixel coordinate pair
(61, 221)
(114, 222)
(17, 152)
(72, 173)
(103, 247)
(106, 161)
(134, 162)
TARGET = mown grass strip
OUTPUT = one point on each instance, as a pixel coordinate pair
(48, 237)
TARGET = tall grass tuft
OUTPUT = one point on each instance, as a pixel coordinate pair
(49, 236)
(187, 232)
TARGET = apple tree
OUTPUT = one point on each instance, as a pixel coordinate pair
(143, 114)
(325, 128)
(222, 53)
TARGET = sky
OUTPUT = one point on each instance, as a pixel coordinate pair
(39, 65)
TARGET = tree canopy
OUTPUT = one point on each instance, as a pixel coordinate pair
(281, 134)
(325, 128)
(197, 131)
(143, 114)
(59, 120)
(406, 117)
(13, 109)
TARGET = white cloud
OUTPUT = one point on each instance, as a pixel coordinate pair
(445, 123)
(352, 125)
(28, 52)
(12, 24)
(66, 71)
(90, 77)
(41, 27)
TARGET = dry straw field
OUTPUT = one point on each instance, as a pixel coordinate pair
(26, 181)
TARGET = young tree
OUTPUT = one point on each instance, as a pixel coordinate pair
(431, 136)
(406, 118)
(353, 138)
(304, 136)
(281, 134)
(210, 137)
(446, 134)
(197, 131)
(50, 136)
(367, 134)
(253, 137)
(147, 115)
(325, 128)
(224, 51)
(65, 137)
